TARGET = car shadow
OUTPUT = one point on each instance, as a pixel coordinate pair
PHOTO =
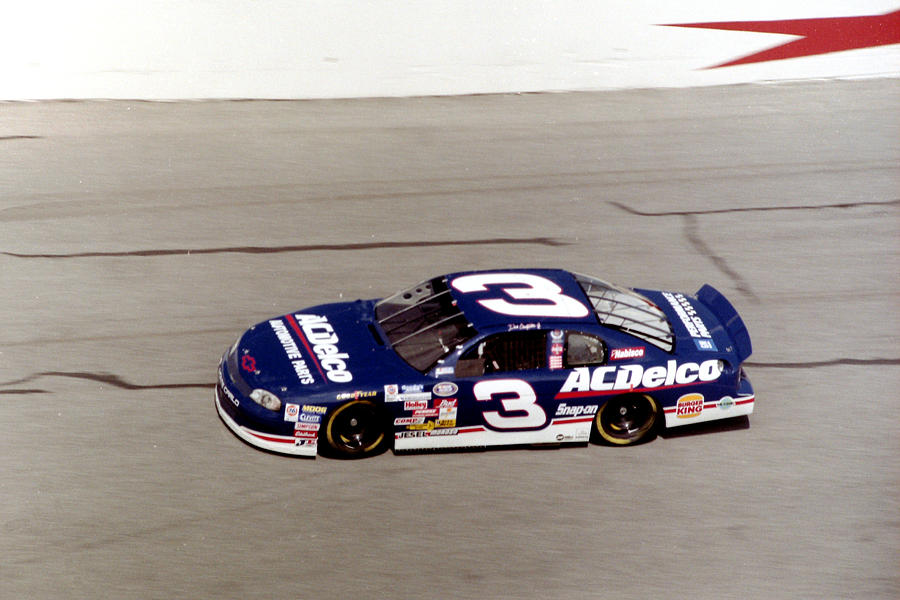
(734, 424)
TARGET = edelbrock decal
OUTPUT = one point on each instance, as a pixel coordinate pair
(628, 377)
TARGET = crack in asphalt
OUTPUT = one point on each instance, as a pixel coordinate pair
(120, 383)
(540, 241)
(691, 231)
(719, 211)
(107, 378)
(5, 138)
(825, 363)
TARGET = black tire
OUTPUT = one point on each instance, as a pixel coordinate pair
(626, 420)
(355, 430)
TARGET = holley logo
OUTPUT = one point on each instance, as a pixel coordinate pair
(689, 405)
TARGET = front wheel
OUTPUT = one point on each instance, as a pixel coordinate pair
(355, 430)
(626, 420)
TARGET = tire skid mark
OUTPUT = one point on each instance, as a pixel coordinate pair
(540, 241)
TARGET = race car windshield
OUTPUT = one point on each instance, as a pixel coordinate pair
(627, 311)
(423, 323)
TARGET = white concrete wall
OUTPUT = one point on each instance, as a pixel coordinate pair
(171, 49)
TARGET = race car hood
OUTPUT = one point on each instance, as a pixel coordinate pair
(705, 321)
(318, 349)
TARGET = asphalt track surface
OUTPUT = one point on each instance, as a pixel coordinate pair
(139, 239)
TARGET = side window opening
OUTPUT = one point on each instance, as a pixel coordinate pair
(513, 351)
(583, 349)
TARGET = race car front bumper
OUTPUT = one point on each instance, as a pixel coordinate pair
(227, 403)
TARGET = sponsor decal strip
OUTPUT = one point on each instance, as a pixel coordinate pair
(593, 393)
(571, 420)
(475, 429)
(461, 430)
(312, 355)
(269, 438)
(707, 405)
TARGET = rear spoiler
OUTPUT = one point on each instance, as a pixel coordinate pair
(728, 317)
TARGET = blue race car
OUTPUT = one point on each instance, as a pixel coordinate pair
(486, 358)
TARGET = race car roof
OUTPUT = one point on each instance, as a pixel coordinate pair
(509, 297)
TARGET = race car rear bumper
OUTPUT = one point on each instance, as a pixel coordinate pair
(281, 444)
(723, 408)
(695, 408)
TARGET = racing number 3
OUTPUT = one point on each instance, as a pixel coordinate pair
(534, 296)
(524, 401)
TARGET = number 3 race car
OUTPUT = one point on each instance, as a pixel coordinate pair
(486, 358)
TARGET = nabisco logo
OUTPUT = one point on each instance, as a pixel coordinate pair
(623, 353)
(689, 405)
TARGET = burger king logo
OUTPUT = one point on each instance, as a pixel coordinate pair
(689, 405)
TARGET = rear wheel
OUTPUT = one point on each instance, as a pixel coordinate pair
(628, 419)
(356, 430)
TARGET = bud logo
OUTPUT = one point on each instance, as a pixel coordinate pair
(447, 410)
(689, 405)
(630, 377)
(623, 353)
